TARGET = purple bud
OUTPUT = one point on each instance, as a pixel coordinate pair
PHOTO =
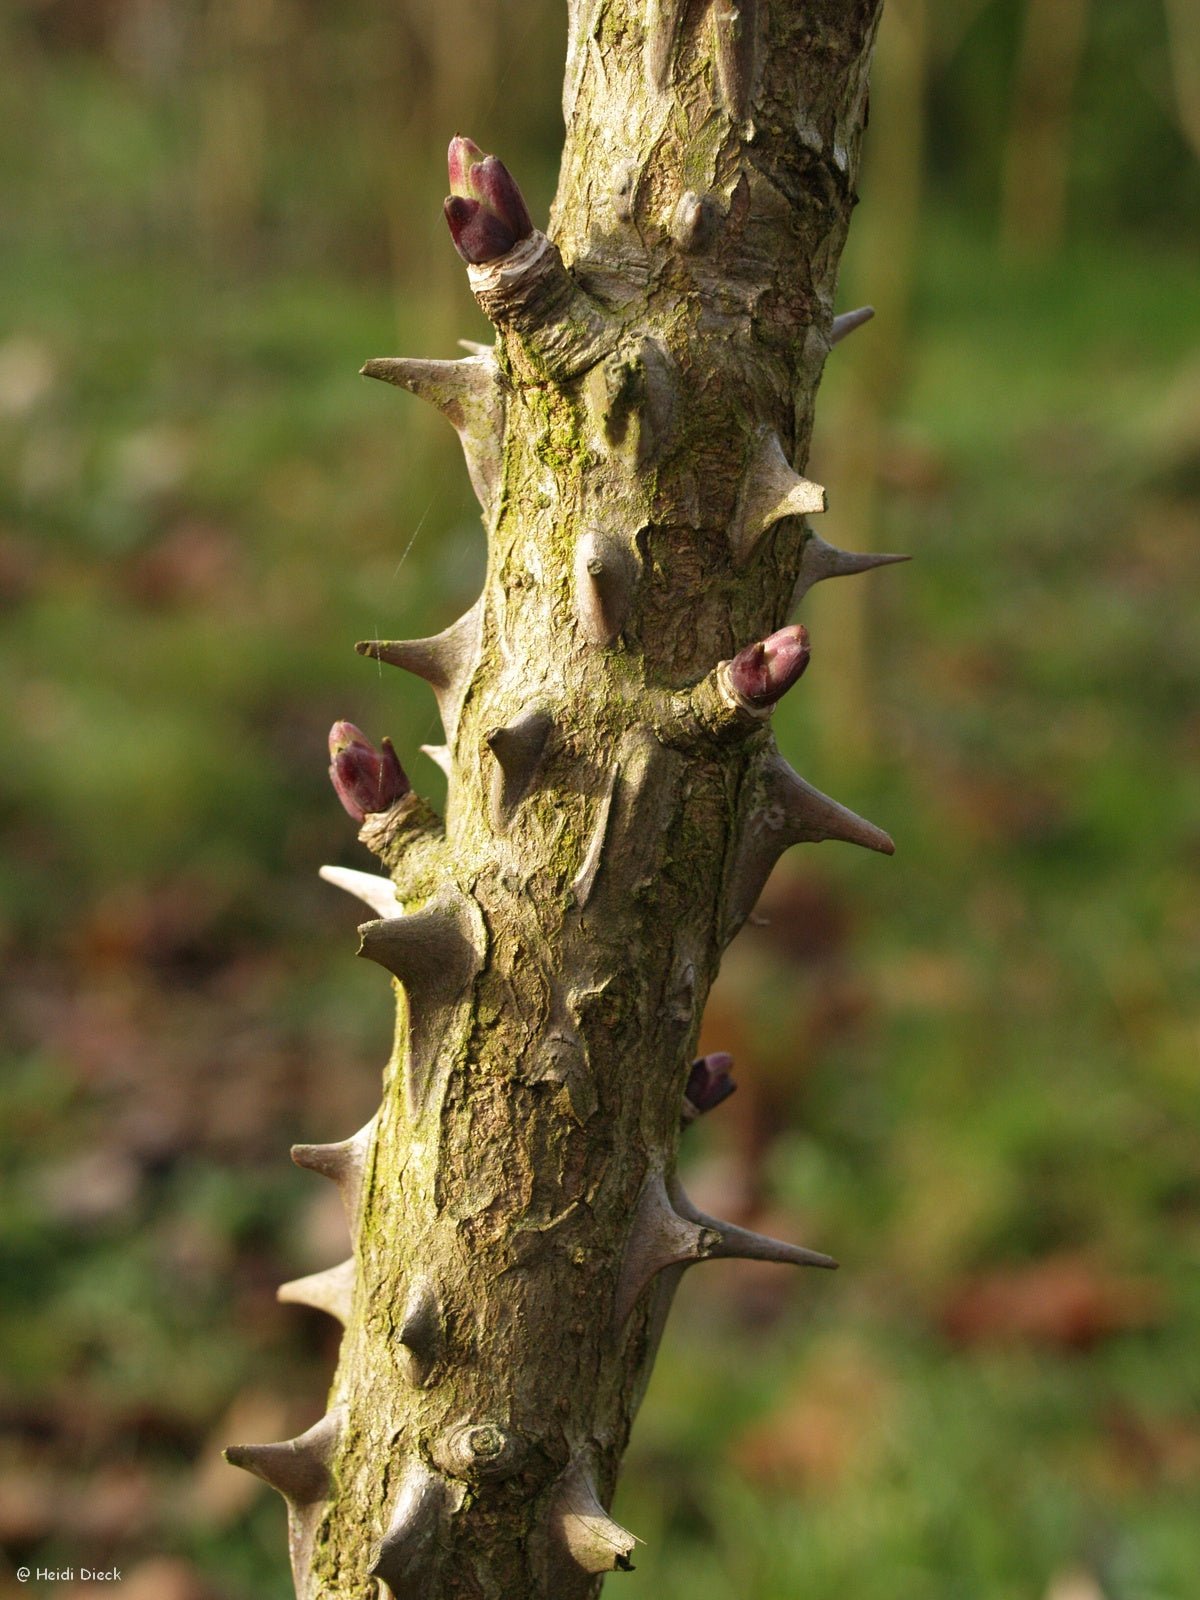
(709, 1082)
(478, 235)
(365, 779)
(486, 211)
(763, 672)
(496, 187)
(462, 155)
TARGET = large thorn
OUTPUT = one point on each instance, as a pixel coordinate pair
(421, 1332)
(428, 950)
(300, 1470)
(374, 891)
(809, 817)
(848, 321)
(786, 811)
(470, 395)
(446, 661)
(605, 574)
(435, 953)
(735, 46)
(410, 1551)
(331, 1291)
(770, 491)
(583, 1529)
(668, 1231)
(345, 1163)
(743, 1245)
(517, 749)
(297, 1468)
(820, 561)
(659, 1238)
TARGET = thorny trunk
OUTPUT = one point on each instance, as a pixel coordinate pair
(615, 805)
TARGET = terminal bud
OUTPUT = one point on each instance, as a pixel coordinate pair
(762, 673)
(485, 210)
(365, 779)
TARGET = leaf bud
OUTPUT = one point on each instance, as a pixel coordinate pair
(485, 210)
(762, 673)
(709, 1082)
(365, 779)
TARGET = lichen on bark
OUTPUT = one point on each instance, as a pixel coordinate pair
(637, 437)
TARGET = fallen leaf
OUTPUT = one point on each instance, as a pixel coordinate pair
(833, 1423)
(1064, 1301)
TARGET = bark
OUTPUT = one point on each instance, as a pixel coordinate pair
(637, 439)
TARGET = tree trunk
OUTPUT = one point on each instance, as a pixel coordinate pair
(615, 805)
(1038, 159)
(849, 698)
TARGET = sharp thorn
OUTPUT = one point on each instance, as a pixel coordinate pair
(469, 394)
(518, 750)
(659, 1237)
(740, 1243)
(421, 1332)
(377, 892)
(819, 561)
(770, 490)
(847, 322)
(668, 1231)
(446, 661)
(427, 950)
(783, 811)
(439, 754)
(592, 1540)
(297, 1468)
(345, 1163)
(409, 1552)
(435, 953)
(811, 817)
(331, 1291)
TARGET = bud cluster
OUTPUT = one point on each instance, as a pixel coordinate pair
(365, 779)
(485, 210)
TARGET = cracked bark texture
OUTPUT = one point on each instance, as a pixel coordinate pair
(637, 438)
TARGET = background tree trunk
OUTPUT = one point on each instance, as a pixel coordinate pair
(615, 805)
(1037, 160)
(856, 438)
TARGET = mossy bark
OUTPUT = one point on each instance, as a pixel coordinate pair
(614, 806)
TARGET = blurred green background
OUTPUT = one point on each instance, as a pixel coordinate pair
(971, 1072)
